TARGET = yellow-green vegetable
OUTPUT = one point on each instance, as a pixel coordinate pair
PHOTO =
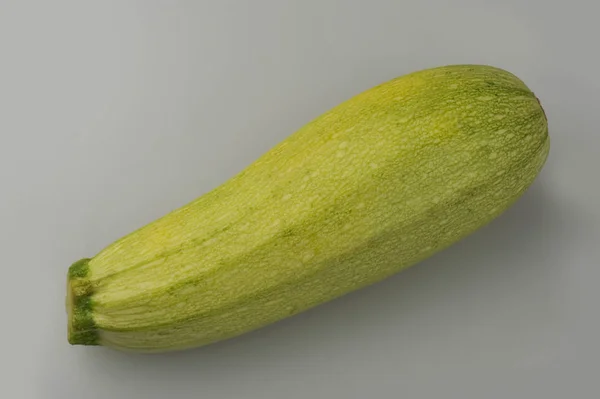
(369, 188)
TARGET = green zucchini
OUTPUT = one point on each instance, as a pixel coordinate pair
(375, 185)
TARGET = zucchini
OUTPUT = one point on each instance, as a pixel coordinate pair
(375, 185)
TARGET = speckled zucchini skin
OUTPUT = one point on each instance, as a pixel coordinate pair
(375, 185)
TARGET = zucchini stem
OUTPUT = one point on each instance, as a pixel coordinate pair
(81, 326)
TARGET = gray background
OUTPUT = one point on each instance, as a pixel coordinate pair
(114, 112)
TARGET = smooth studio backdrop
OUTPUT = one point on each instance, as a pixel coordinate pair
(114, 112)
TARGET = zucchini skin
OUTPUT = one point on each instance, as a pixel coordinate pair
(375, 185)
